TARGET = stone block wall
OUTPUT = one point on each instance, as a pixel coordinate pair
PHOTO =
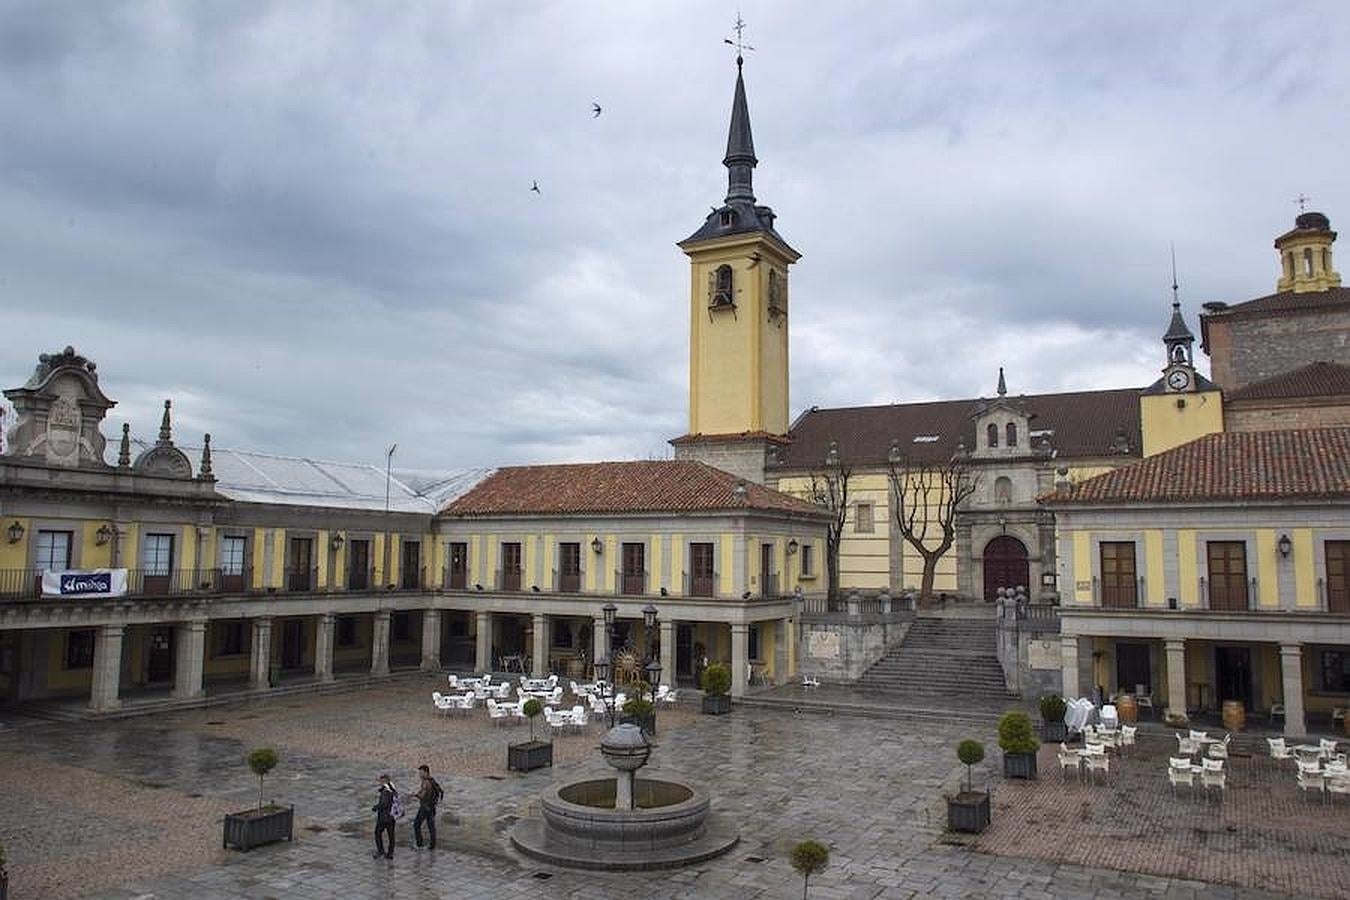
(842, 650)
(1246, 350)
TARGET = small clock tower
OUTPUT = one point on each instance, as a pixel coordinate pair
(739, 313)
(1182, 405)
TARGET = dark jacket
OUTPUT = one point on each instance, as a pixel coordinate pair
(384, 804)
(427, 794)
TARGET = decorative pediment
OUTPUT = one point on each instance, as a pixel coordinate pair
(58, 412)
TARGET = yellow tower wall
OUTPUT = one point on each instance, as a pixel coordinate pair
(1167, 425)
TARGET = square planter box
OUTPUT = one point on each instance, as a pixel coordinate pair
(1054, 732)
(529, 756)
(246, 830)
(716, 704)
(1019, 765)
(968, 812)
(647, 723)
(4, 885)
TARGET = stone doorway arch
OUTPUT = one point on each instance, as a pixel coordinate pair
(1005, 565)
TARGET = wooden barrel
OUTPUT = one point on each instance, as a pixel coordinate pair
(1127, 709)
(1234, 715)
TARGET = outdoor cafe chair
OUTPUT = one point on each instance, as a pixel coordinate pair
(1097, 762)
(1179, 771)
(1337, 784)
(1187, 746)
(1312, 781)
(1212, 774)
(1070, 759)
(1279, 750)
(1328, 748)
(1219, 749)
(1143, 700)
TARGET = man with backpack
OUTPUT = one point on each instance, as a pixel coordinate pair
(388, 808)
(428, 794)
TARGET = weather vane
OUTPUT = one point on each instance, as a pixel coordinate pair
(740, 44)
(1176, 300)
(1302, 201)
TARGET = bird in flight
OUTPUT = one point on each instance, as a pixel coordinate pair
(596, 110)
(534, 186)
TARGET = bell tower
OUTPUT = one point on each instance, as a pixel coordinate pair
(738, 319)
(1182, 405)
(1305, 255)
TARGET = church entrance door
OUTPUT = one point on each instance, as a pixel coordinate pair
(1005, 566)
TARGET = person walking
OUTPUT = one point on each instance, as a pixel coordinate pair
(385, 815)
(428, 794)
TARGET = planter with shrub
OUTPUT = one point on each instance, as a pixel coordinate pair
(530, 755)
(1018, 742)
(639, 710)
(968, 811)
(716, 683)
(1053, 708)
(268, 823)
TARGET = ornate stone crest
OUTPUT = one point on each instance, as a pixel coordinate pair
(63, 431)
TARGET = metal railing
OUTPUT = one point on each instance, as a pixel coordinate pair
(302, 579)
(412, 579)
(358, 579)
(457, 581)
(768, 586)
(508, 579)
(631, 582)
(567, 582)
(700, 585)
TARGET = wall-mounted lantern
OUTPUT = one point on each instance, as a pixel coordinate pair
(596, 545)
(1285, 545)
(337, 541)
(792, 546)
(103, 535)
(15, 532)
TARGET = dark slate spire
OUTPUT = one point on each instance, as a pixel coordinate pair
(1177, 330)
(740, 159)
(1002, 385)
(165, 427)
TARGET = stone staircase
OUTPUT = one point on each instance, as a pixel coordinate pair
(944, 660)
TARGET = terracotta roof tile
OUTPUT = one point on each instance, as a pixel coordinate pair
(1299, 464)
(1081, 424)
(620, 487)
(1319, 379)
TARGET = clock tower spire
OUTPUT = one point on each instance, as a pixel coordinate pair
(1182, 405)
(738, 314)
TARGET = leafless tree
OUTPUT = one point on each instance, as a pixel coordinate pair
(926, 498)
(830, 490)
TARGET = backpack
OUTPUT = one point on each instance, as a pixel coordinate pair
(438, 793)
(396, 806)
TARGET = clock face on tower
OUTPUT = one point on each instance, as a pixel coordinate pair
(1178, 380)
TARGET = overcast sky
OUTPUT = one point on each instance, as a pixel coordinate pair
(310, 224)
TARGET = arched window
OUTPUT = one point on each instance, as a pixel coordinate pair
(1012, 434)
(993, 435)
(1003, 490)
(1179, 354)
(1307, 261)
(1289, 265)
(1326, 259)
(723, 287)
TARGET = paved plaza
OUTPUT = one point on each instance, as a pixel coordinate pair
(131, 809)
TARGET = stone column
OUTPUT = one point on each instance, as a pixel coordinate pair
(483, 654)
(667, 652)
(323, 647)
(189, 658)
(539, 650)
(431, 640)
(1176, 675)
(103, 693)
(1068, 655)
(379, 643)
(261, 660)
(740, 658)
(780, 651)
(1291, 667)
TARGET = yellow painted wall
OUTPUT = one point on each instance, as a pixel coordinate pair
(1188, 588)
(276, 577)
(1082, 568)
(15, 556)
(1305, 573)
(1165, 425)
(256, 555)
(92, 556)
(1153, 568)
(1264, 569)
(395, 558)
(59, 678)
(377, 563)
(321, 550)
(728, 566)
(679, 565)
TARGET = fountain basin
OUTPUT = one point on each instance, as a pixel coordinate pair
(672, 825)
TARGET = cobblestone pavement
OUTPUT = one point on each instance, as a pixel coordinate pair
(132, 808)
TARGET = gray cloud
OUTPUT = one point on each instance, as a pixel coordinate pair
(310, 224)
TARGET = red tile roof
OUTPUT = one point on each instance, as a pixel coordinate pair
(1081, 424)
(620, 487)
(1319, 379)
(1302, 464)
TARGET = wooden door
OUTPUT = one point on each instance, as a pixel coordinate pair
(459, 565)
(767, 582)
(1338, 576)
(1005, 566)
(358, 565)
(634, 568)
(302, 563)
(159, 655)
(1227, 575)
(701, 570)
(1120, 584)
(292, 643)
(411, 576)
(1132, 667)
(1233, 674)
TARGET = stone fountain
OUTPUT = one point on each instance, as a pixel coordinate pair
(625, 822)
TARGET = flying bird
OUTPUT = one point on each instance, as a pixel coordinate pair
(596, 110)
(534, 186)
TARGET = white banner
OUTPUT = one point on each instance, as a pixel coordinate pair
(83, 583)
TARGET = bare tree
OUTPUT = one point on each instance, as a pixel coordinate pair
(926, 498)
(830, 490)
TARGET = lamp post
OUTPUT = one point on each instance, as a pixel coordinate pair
(605, 687)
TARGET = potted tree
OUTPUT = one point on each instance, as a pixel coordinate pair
(968, 811)
(808, 858)
(532, 754)
(1053, 708)
(1018, 742)
(640, 711)
(268, 823)
(716, 682)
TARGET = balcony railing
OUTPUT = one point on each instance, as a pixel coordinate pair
(412, 579)
(457, 581)
(508, 580)
(700, 585)
(358, 579)
(768, 586)
(631, 582)
(567, 582)
(302, 579)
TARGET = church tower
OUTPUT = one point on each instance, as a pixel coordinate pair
(1305, 255)
(1182, 405)
(738, 319)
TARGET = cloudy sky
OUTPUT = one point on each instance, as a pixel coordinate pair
(310, 224)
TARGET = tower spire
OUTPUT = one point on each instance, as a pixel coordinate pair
(740, 159)
(165, 427)
(1002, 384)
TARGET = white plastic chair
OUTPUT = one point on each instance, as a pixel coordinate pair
(441, 702)
(1143, 700)
(496, 713)
(809, 682)
(1069, 759)
(1109, 717)
(1179, 771)
(1199, 736)
(453, 679)
(1219, 750)
(1328, 748)
(671, 698)
(1127, 734)
(1212, 774)
(1311, 781)
(1278, 749)
(1337, 784)
(1187, 746)
(1097, 762)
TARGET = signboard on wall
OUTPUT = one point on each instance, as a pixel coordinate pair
(822, 645)
(78, 584)
(1044, 655)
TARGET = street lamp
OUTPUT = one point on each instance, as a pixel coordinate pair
(605, 687)
(610, 611)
